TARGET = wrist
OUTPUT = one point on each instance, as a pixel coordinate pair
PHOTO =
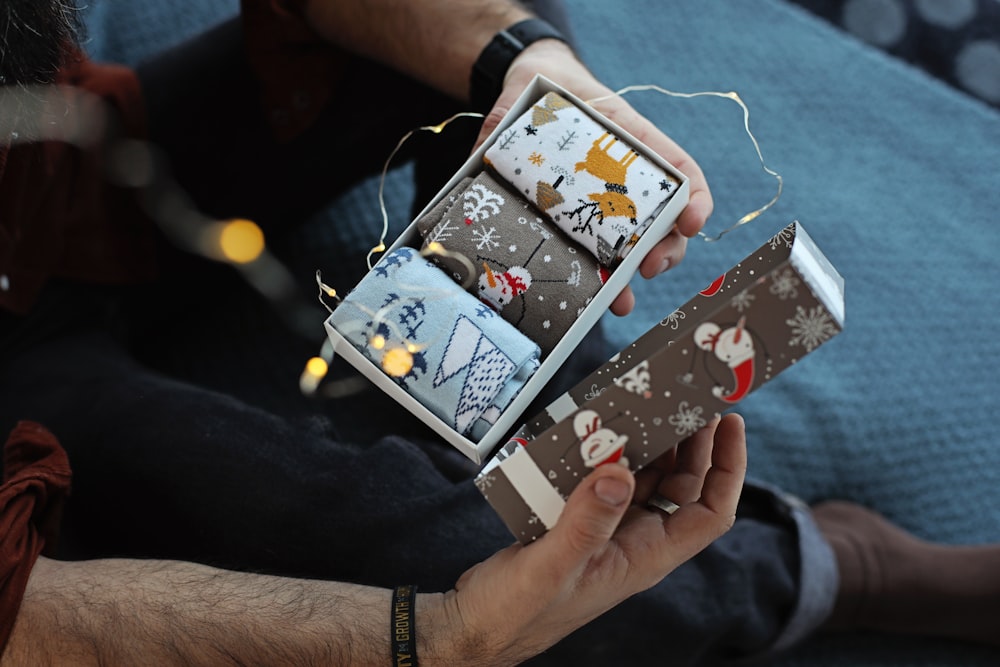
(438, 633)
(447, 636)
(537, 59)
(490, 70)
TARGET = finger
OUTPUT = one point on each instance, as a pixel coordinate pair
(665, 255)
(694, 216)
(700, 203)
(724, 480)
(589, 519)
(679, 472)
(624, 302)
(495, 116)
(669, 465)
(647, 479)
(693, 460)
(695, 525)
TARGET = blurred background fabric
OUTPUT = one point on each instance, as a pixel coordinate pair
(957, 41)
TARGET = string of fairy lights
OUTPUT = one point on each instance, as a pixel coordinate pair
(55, 113)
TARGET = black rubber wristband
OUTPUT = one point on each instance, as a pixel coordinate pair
(403, 626)
(491, 66)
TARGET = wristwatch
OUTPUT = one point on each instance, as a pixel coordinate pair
(488, 73)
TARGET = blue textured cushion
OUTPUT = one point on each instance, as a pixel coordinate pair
(895, 176)
(127, 32)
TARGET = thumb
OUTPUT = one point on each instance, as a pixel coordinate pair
(515, 82)
(496, 114)
(591, 515)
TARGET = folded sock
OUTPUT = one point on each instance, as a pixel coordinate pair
(592, 185)
(444, 347)
(530, 272)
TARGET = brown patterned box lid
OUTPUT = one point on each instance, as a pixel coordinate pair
(777, 305)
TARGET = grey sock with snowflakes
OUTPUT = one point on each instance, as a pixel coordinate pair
(524, 268)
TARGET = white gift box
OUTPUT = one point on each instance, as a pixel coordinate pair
(617, 281)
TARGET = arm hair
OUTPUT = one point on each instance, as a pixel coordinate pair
(166, 612)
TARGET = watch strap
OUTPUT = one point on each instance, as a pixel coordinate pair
(491, 67)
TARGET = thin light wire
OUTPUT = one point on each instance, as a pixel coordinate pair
(436, 129)
(53, 126)
(734, 96)
(437, 249)
(731, 95)
(325, 291)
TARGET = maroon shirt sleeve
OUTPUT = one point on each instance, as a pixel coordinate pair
(58, 215)
(36, 481)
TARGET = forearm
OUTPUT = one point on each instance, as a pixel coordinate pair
(606, 546)
(164, 612)
(434, 41)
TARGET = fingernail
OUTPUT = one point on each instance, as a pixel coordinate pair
(665, 264)
(612, 491)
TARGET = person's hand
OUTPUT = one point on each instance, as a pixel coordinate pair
(556, 61)
(603, 549)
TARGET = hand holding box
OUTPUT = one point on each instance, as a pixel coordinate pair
(777, 305)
